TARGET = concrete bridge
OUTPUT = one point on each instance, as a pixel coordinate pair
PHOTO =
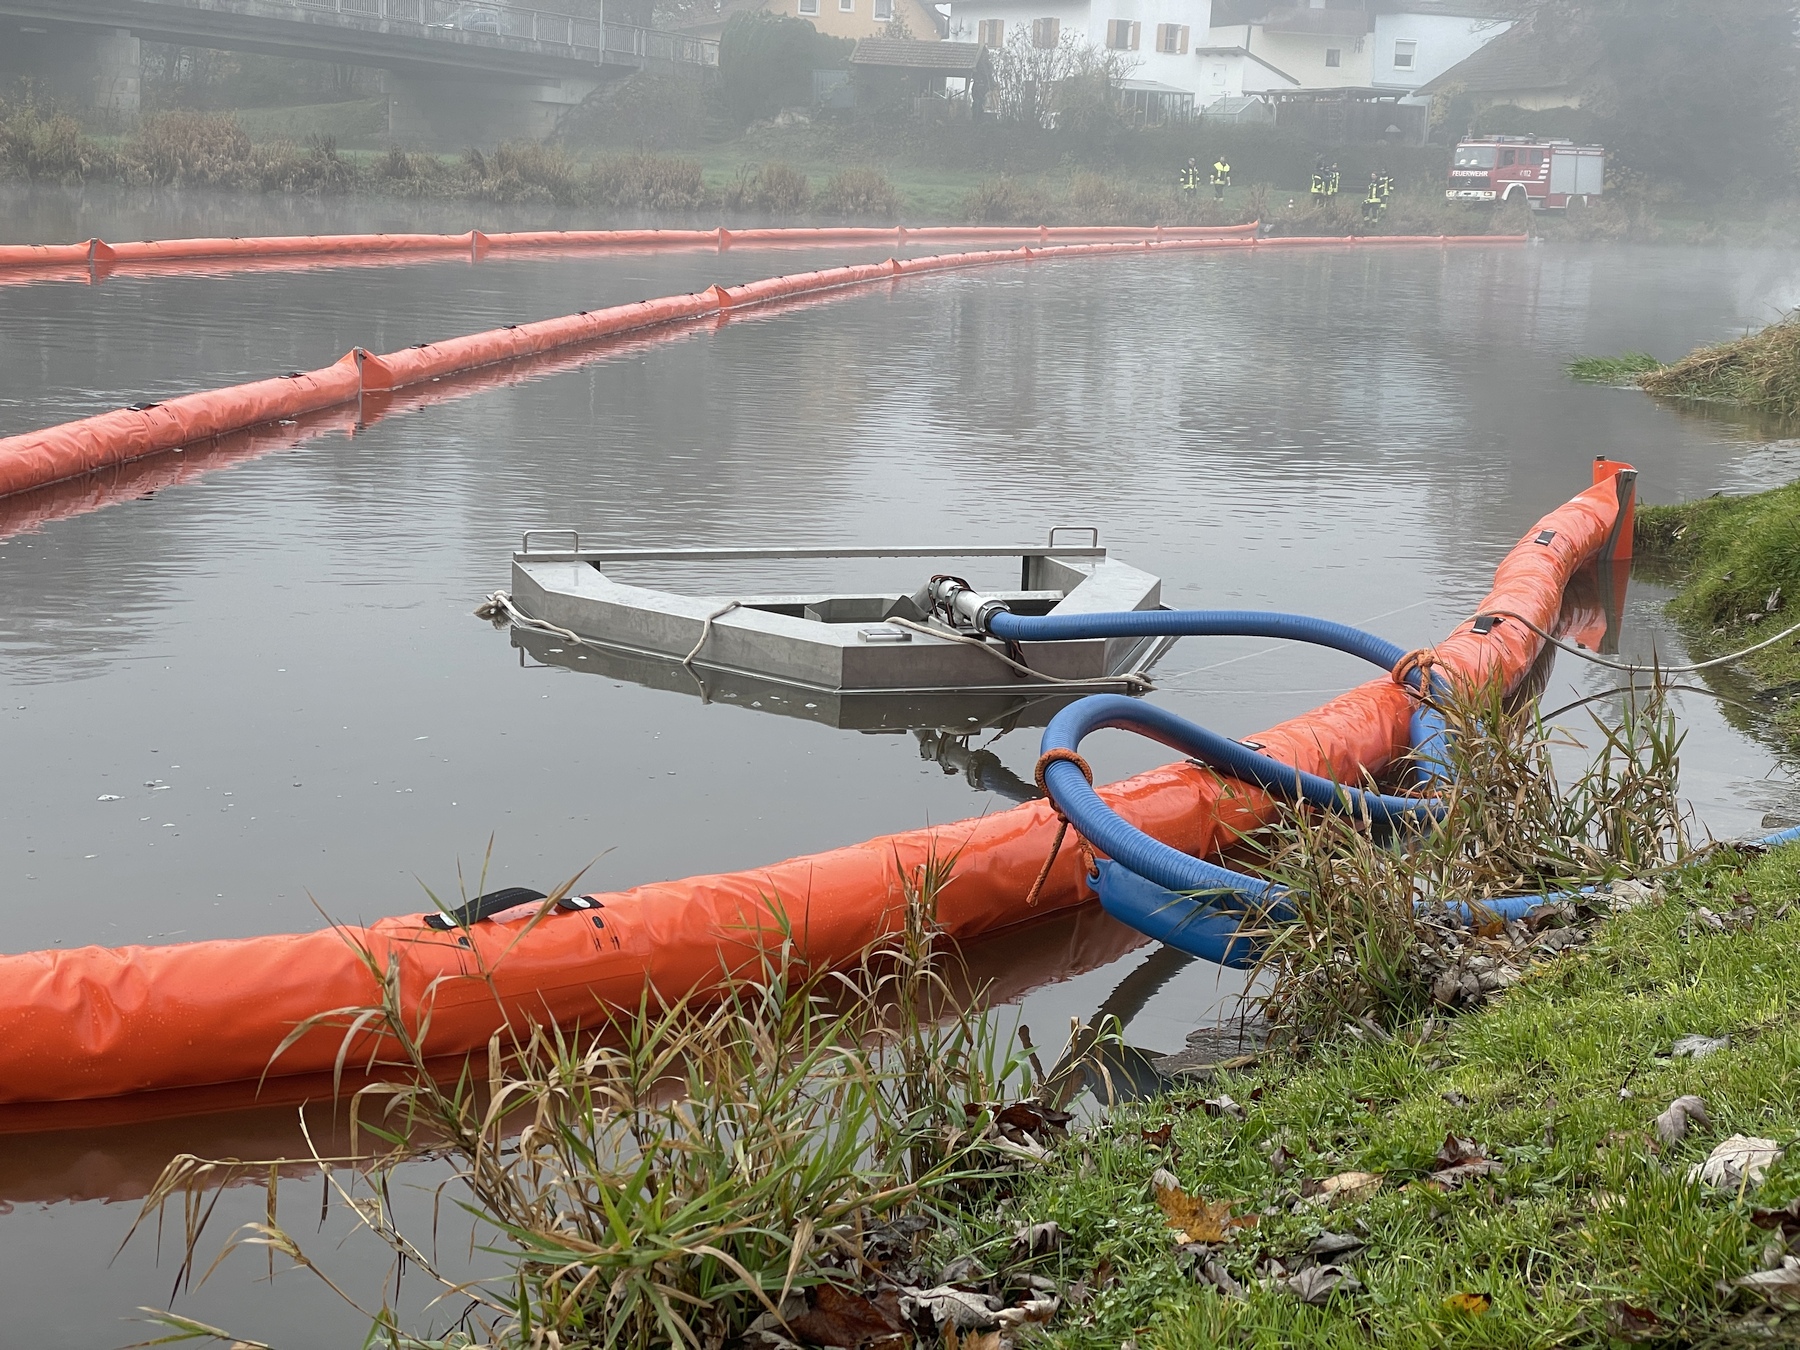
(458, 70)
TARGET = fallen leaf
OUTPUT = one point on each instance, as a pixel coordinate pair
(974, 1340)
(1785, 1220)
(1454, 1098)
(1469, 1305)
(1698, 1047)
(1333, 1244)
(1631, 1323)
(1741, 1159)
(1280, 1160)
(962, 1270)
(1781, 1284)
(1348, 1187)
(1041, 1122)
(948, 1307)
(844, 1317)
(1211, 1272)
(1036, 1239)
(1222, 1105)
(1672, 1125)
(1159, 1137)
(1080, 1294)
(1196, 1219)
(1461, 1160)
(1316, 1284)
(1034, 1310)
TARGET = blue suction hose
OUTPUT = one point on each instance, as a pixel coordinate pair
(1187, 902)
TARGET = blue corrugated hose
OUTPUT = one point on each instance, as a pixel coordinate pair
(1183, 901)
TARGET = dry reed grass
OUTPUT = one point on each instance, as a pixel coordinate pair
(1760, 370)
(1370, 908)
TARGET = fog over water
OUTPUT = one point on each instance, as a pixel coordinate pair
(275, 672)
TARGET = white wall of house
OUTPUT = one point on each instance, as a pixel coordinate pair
(1093, 23)
(1308, 57)
(1438, 41)
(1233, 74)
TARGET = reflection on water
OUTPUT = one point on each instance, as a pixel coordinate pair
(261, 687)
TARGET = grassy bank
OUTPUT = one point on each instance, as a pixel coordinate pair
(1493, 1180)
(1738, 568)
(811, 172)
(1759, 372)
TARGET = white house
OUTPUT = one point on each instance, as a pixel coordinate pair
(1267, 47)
(1414, 41)
(1158, 37)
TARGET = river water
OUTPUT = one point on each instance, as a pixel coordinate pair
(232, 703)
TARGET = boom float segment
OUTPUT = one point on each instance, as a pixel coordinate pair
(100, 1022)
(71, 449)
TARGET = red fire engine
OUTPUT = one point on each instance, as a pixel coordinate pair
(1548, 174)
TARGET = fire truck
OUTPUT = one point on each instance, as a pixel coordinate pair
(1548, 174)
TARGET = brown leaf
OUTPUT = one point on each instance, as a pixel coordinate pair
(1036, 1239)
(973, 1340)
(1462, 1160)
(1780, 1285)
(1333, 1244)
(1631, 1323)
(844, 1317)
(1193, 1218)
(1280, 1160)
(1159, 1137)
(1785, 1220)
(1469, 1305)
(1040, 1121)
(1672, 1125)
(1348, 1187)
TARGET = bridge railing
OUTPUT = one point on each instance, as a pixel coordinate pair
(583, 39)
(652, 44)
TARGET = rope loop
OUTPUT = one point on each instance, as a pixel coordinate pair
(1045, 760)
(1421, 661)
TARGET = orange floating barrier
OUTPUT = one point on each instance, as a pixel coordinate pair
(101, 1022)
(55, 454)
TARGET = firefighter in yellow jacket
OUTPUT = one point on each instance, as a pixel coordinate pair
(1221, 178)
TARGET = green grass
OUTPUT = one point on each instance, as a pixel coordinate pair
(360, 124)
(1585, 1216)
(1738, 569)
(1619, 370)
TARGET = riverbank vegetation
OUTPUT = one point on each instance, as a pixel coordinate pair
(1759, 372)
(1569, 1129)
(1738, 571)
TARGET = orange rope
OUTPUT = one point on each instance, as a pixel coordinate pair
(1045, 760)
(1422, 662)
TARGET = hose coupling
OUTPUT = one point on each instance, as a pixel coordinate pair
(961, 606)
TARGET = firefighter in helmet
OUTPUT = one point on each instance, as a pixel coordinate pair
(1221, 178)
(1189, 178)
(1387, 185)
(1333, 180)
(1317, 191)
(1375, 203)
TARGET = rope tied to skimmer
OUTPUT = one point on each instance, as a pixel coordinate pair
(1045, 760)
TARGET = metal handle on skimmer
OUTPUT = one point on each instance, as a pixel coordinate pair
(575, 535)
(1092, 530)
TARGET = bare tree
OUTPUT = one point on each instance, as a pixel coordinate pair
(1039, 85)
